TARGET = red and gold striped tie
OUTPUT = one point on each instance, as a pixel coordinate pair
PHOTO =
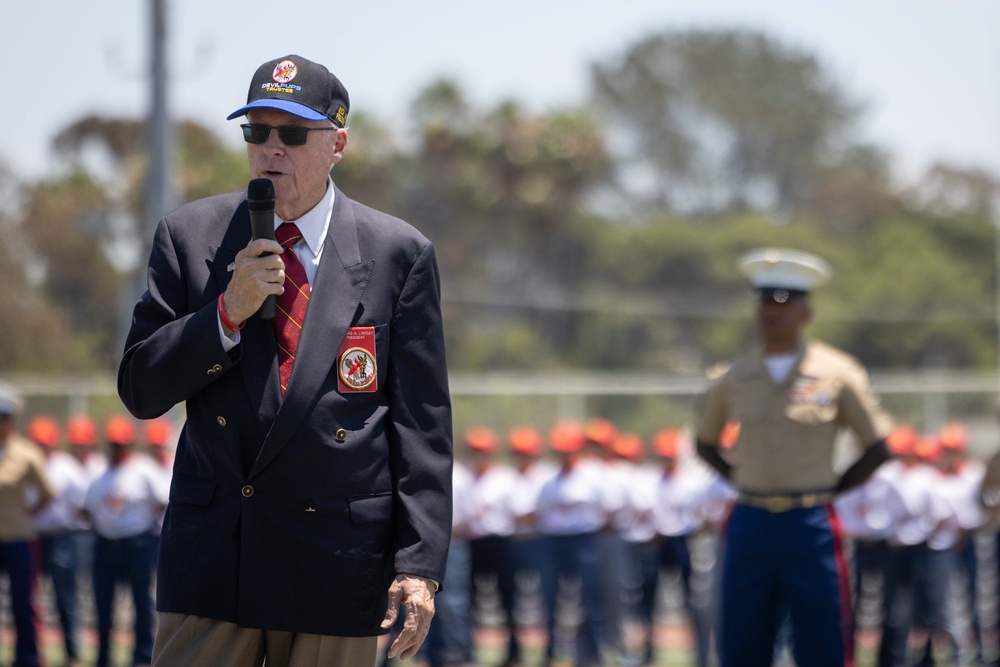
(291, 311)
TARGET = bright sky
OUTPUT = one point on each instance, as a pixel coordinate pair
(928, 70)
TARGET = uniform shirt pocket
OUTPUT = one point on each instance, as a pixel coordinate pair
(812, 401)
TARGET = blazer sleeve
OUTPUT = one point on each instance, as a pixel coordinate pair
(173, 349)
(420, 434)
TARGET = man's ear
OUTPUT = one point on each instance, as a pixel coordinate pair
(339, 144)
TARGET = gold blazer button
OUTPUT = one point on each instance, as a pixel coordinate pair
(340, 435)
(247, 491)
(221, 420)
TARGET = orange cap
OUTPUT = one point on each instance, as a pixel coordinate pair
(567, 437)
(953, 436)
(667, 442)
(81, 430)
(928, 448)
(119, 430)
(903, 440)
(156, 432)
(525, 440)
(629, 446)
(601, 431)
(481, 439)
(44, 430)
(730, 434)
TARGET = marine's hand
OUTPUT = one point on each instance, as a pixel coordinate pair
(416, 595)
(254, 278)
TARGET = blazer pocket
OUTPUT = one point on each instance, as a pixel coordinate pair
(370, 508)
(192, 490)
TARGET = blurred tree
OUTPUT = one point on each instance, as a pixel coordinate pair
(71, 270)
(502, 195)
(33, 335)
(710, 121)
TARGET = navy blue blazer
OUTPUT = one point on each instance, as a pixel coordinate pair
(296, 513)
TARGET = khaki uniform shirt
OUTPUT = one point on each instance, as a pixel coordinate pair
(788, 430)
(22, 467)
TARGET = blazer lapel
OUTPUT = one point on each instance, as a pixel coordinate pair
(340, 283)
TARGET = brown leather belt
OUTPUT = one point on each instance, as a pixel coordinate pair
(782, 502)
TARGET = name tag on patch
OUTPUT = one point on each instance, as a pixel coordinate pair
(356, 366)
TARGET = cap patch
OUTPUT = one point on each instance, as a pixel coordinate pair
(285, 71)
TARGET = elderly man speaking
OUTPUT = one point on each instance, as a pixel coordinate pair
(310, 500)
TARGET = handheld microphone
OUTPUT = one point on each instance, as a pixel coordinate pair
(260, 200)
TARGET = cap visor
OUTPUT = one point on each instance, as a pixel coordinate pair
(287, 106)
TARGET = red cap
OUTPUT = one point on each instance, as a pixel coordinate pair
(903, 440)
(525, 440)
(119, 430)
(730, 434)
(481, 439)
(567, 437)
(156, 432)
(953, 436)
(81, 430)
(629, 446)
(601, 431)
(667, 442)
(44, 430)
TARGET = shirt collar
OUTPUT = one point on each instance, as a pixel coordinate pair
(315, 223)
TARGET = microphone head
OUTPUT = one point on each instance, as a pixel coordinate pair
(260, 194)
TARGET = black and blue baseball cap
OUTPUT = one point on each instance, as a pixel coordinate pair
(298, 86)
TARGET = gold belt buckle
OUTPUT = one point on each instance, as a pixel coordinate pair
(777, 503)
(809, 500)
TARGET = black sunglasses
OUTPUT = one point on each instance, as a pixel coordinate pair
(290, 135)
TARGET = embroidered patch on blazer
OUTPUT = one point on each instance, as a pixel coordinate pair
(356, 365)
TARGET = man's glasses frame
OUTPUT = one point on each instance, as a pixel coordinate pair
(290, 135)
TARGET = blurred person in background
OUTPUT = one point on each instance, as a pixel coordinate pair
(783, 544)
(24, 492)
(450, 638)
(904, 507)
(681, 492)
(865, 542)
(491, 523)
(531, 471)
(938, 616)
(572, 512)
(612, 552)
(635, 524)
(963, 477)
(989, 505)
(81, 436)
(55, 525)
(124, 505)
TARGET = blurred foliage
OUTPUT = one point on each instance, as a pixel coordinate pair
(600, 237)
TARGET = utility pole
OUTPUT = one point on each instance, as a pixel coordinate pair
(159, 135)
(159, 147)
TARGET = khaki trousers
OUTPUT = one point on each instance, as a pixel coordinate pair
(183, 641)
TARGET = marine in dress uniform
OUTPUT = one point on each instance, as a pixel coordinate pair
(22, 477)
(783, 546)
